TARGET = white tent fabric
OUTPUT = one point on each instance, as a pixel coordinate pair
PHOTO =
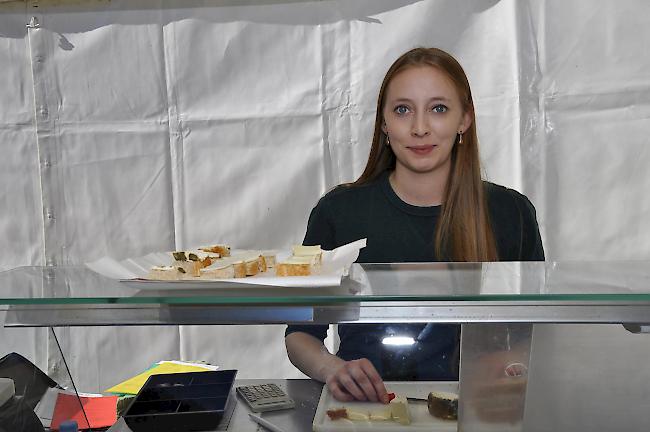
(131, 127)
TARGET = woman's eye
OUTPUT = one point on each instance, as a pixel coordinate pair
(439, 108)
(401, 109)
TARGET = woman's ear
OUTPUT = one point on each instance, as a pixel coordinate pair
(466, 122)
(384, 129)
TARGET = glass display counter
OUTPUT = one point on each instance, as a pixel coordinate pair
(553, 292)
(507, 311)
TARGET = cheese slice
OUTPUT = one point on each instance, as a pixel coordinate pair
(308, 251)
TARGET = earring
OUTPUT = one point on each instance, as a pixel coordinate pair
(460, 137)
(387, 141)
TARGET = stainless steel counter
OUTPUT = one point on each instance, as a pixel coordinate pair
(305, 393)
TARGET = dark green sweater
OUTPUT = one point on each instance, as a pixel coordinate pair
(399, 232)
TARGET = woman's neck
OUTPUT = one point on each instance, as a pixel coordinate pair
(419, 189)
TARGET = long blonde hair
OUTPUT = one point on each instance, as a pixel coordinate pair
(464, 232)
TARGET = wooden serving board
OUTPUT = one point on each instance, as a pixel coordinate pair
(421, 420)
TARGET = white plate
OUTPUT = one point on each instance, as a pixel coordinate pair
(421, 420)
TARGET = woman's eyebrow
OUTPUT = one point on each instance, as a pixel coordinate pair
(433, 99)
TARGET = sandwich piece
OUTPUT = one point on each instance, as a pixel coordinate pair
(269, 258)
(163, 273)
(219, 269)
(254, 263)
(222, 249)
(297, 266)
(204, 258)
(252, 260)
(238, 265)
(193, 261)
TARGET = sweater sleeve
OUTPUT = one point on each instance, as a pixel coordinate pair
(319, 232)
(320, 228)
(531, 240)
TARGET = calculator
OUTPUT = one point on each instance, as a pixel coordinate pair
(265, 397)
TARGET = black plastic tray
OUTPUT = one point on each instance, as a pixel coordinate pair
(191, 401)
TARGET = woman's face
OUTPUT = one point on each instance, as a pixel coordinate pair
(422, 115)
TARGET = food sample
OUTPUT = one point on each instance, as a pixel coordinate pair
(192, 261)
(397, 410)
(163, 273)
(238, 265)
(297, 266)
(219, 269)
(222, 249)
(443, 405)
(269, 258)
(305, 261)
(310, 251)
(253, 262)
(217, 262)
(338, 413)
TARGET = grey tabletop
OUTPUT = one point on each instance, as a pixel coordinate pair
(304, 392)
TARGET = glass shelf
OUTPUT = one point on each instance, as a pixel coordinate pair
(593, 292)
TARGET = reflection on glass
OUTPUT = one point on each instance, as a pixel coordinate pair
(494, 376)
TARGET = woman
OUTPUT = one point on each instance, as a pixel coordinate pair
(420, 198)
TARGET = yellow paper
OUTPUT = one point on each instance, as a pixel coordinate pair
(133, 385)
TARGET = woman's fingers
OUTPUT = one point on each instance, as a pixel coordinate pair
(338, 392)
(357, 380)
(375, 380)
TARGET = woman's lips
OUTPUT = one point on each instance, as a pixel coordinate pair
(422, 150)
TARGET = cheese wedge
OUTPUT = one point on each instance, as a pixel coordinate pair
(399, 410)
(443, 405)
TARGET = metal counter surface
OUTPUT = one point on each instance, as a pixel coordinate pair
(304, 392)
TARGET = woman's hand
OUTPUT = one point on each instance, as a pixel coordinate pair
(356, 380)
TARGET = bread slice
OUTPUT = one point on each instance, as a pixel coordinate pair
(253, 262)
(193, 261)
(163, 273)
(269, 258)
(188, 268)
(297, 266)
(252, 266)
(218, 270)
(238, 265)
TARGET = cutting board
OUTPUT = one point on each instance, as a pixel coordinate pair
(421, 420)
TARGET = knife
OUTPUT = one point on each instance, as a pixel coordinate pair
(414, 399)
(391, 396)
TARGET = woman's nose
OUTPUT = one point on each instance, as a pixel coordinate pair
(420, 126)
